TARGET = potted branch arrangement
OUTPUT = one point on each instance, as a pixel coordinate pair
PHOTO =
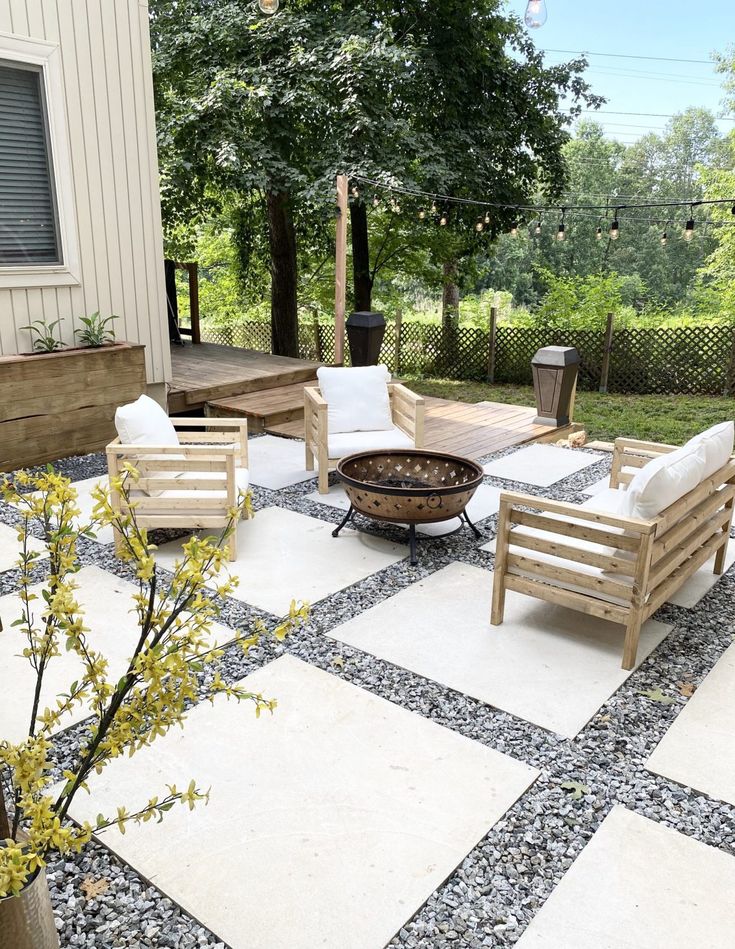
(127, 713)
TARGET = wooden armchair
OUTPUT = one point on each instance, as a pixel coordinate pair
(606, 564)
(191, 485)
(407, 412)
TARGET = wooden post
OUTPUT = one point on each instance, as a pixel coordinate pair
(340, 294)
(397, 341)
(606, 350)
(729, 386)
(317, 334)
(491, 348)
(193, 270)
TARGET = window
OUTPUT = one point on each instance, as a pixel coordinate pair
(29, 231)
(39, 245)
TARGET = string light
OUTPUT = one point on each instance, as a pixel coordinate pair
(689, 226)
(514, 229)
(487, 218)
(615, 227)
(664, 239)
(355, 191)
(376, 200)
(443, 219)
(535, 14)
(269, 7)
(537, 229)
(480, 225)
(422, 214)
(394, 205)
(561, 232)
(598, 233)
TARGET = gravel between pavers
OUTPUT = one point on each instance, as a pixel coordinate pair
(500, 885)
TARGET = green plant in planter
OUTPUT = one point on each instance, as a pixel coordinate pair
(97, 330)
(43, 336)
(127, 712)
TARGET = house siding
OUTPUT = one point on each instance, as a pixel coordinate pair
(110, 122)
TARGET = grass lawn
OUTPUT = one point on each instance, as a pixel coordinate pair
(663, 418)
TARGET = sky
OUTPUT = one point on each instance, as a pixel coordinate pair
(672, 29)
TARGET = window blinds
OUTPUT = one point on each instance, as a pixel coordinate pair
(28, 223)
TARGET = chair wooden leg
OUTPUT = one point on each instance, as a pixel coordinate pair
(309, 463)
(632, 635)
(323, 473)
(232, 546)
(720, 557)
(498, 608)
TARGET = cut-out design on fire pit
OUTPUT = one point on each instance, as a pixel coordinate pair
(409, 488)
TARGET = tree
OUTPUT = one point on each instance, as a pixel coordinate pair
(250, 105)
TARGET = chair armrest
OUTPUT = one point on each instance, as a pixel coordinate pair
(633, 453)
(405, 394)
(313, 395)
(209, 449)
(237, 427)
(408, 411)
(634, 444)
(513, 499)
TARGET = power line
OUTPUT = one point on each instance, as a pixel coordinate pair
(660, 59)
(655, 115)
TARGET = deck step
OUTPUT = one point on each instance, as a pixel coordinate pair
(264, 409)
(288, 429)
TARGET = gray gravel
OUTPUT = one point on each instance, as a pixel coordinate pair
(499, 886)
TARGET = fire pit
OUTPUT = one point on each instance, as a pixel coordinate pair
(409, 487)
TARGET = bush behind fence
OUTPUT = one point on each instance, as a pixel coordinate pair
(691, 360)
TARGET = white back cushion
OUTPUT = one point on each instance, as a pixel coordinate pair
(663, 481)
(357, 397)
(145, 423)
(718, 443)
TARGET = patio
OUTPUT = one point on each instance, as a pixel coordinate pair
(427, 779)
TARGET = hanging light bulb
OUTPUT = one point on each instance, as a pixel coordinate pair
(514, 229)
(537, 229)
(269, 7)
(615, 229)
(355, 191)
(487, 218)
(422, 214)
(480, 225)
(434, 209)
(443, 219)
(394, 205)
(376, 200)
(689, 229)
(561, 234)
(664, 239)
(598, 233)
(535, 14)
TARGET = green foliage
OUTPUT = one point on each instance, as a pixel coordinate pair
(43, 336)
(175, 614)
(97, 331)
(579, 302)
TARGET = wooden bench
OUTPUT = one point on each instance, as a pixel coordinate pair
(605, 564)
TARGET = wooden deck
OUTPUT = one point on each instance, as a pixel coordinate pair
(466, 429)
(208, 372)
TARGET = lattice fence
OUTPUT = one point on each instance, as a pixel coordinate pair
(681, 360)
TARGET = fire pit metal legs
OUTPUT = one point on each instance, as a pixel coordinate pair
(411, 532)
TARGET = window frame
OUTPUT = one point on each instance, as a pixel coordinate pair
(45, 57)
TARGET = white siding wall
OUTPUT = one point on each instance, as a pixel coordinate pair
(108, 95)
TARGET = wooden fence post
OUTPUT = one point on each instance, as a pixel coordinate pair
(606, 350)
(193, 269)
(492, 341)
(729, 387)
(397, 341)
(317, 334)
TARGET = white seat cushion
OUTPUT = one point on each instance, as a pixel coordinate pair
(665, 480)
(357, 397)
(718, 443)
(349, 443)
(144, 422)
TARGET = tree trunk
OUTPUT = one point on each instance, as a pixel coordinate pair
(284, 305)
(363, 284)
(450, 314)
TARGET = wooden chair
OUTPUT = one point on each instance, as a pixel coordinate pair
(407, 411)
(608, 565)
(191, 485)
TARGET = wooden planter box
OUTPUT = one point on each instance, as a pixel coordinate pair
(58, 404)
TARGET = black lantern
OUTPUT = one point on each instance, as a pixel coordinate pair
(365, 332)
